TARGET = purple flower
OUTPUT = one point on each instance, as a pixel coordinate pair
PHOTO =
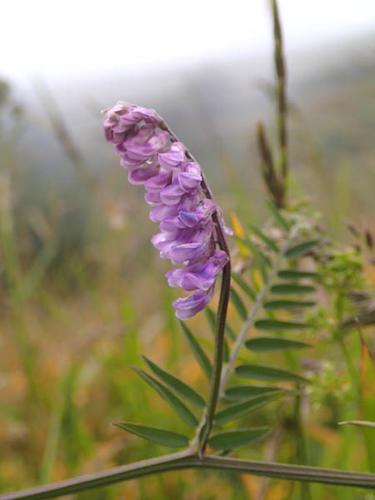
(172, 179)
(190, 306)
(199, 276)
(174, 157)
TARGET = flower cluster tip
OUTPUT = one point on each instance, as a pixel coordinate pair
(172, 179)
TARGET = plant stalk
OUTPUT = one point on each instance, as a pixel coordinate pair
(205, 426)
(188, 460)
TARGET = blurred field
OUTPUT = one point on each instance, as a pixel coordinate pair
(82, 292)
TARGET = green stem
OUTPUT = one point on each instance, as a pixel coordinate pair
(206, 423)
(204, 428)
(218, 360)
(301, 449)
(189, 460)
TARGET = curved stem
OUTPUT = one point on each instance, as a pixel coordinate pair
(97, 480)
(188, 460)
(205, 426)
(218, 360)
(204, 429)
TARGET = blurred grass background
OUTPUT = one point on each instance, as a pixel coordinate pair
(82, 292)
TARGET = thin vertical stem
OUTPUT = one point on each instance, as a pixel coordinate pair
(301, 449)
(218, 359)
(221, 322)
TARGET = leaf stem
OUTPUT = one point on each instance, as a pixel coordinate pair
(240, 340)
(189, 460)
(244, 331)
(300, 439)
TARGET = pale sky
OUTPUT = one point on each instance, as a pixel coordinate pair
(57, 39)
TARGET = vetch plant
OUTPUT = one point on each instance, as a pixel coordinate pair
(279, 275)
(190, 222)
(192, 227)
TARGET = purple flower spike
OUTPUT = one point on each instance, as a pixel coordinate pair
(173, 183)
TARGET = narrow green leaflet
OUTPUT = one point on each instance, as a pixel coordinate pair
(160, 436)
(231, 333)
(180, 387)
(291, 288)
(273, 305)
(235, 439)
(260, 372)
(300, 249)
(277, 325)
(180, 408)
(237, 392)
(211, 318)
(266, 240)
(262, 259)
(238, 410)
(293, 274)
(266, 344)
(279, 218)
(242, 284)
(238, 304)
(198, 352)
